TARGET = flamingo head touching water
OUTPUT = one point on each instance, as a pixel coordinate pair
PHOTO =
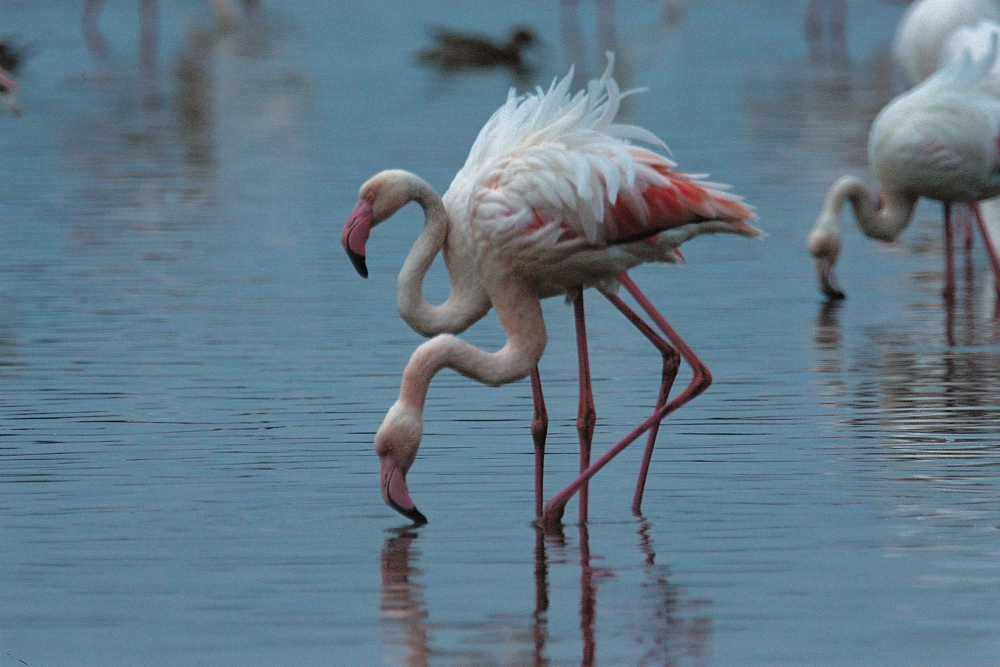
(824, 246)
(380, 197)
(396, 444)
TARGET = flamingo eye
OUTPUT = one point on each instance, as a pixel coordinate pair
(370, 196)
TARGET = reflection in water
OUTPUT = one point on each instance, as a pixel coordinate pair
(672, 629)
(403, 611)
(569, 17)
(826, 29)
(149, 29)
(825, 111)
(677, 631)
(915, 391)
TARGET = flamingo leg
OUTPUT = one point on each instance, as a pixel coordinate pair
(700, 381)
(968, 227)
(586, 416)
(949, 259)
(671, 364)
(988, 241)
(539, 429)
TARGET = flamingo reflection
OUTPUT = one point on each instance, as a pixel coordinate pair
(403, 611)
(913, 392)
(671, 628)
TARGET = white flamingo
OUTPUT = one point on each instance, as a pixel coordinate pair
(553, 198)
(939, 141)
(927, 25)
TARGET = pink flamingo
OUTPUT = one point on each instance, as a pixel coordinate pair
(940, 141)
(553, 198)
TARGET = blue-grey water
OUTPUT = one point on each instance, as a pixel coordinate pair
(191, 372)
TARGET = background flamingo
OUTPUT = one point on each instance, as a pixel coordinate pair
(938, 141)
(553, 198)
(926, 27)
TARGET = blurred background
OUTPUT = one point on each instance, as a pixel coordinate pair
(191, 372)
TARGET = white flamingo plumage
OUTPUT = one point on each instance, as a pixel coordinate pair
(938, 140)
(553, 198)
(923, 32)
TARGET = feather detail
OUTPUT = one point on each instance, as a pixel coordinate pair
(551, 168)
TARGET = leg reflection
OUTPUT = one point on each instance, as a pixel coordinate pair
(540, 627)
(403, 611)
(675, 630)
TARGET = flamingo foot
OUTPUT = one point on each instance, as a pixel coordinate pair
(552, 515)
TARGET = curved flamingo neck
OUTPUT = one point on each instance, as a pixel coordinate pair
(884, 220)
(467, 301)
(520, 314)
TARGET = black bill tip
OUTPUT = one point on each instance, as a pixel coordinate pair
(359, 263)
(413, 514)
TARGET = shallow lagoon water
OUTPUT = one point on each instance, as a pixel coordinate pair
(191, 372)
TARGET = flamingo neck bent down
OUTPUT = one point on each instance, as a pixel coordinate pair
(883, 221)
(467, 302)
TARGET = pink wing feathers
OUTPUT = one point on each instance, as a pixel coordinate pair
(551, 170)
(670, 200)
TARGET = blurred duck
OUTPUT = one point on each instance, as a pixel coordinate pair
(454, 51)
(11, 58)
(939, 141)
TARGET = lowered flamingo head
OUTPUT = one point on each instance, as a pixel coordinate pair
(382, 195)
(824, 245)
(396, 444)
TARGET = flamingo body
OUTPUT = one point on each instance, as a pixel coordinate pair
(553, 198)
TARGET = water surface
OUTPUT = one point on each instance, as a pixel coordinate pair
(191, 373)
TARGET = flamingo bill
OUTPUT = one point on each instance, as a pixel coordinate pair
(355, 235)
(394, 491)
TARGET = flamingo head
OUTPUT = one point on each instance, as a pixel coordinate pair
(380, 197)
(396, 444)
(824, 246)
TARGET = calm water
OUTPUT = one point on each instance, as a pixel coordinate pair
(191, 373)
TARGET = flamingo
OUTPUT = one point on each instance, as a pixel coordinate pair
(926, 27)
(555, 197)
(940, 141)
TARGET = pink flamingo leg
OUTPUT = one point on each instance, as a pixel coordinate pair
(586, 417)
(539, 429)
(990, 248)
(949, 260)
(671, 364)
(968, 226)
(700, 381)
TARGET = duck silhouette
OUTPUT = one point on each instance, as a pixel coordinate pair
(454, 51)
(11, 59)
